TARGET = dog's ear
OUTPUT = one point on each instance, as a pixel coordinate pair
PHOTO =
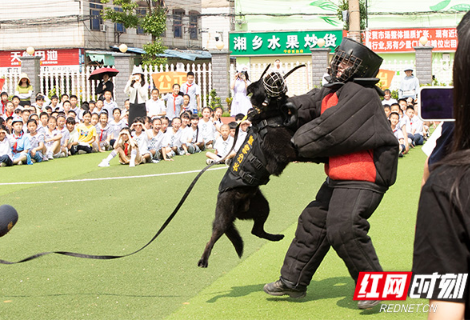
(257, 93)
(292, 71)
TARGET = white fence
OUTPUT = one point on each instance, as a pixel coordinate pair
(77, 83)
(441, 69)
(202, 75)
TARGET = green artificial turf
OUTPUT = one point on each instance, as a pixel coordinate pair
(163, 281)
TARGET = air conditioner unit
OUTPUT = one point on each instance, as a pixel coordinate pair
(103, 28)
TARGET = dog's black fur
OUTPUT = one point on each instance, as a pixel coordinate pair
(248, 202)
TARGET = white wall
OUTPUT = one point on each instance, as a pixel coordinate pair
(213, 25)
(41, 24)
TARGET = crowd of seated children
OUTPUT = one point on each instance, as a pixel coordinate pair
(407, 127)
(61, 127)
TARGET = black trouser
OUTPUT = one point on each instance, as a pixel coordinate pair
(73, 149)
(87, 149)
(337, 218)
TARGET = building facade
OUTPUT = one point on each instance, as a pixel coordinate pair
(65, 31)
(393, 28)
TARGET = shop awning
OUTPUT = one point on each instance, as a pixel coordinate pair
(169, 53)
(186, 54)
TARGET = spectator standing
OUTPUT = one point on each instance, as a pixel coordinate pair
(24, 89)
(409, 85)
(105, 85)
(441, 246)
(174, 101)
(137, 92)
(193, 91)
(240, 103)
(108, 103)
(277, 67)
(155, 106)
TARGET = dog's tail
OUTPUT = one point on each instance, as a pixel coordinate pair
(234, 236)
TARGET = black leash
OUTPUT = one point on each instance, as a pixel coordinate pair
(109, 257)
(164, 225)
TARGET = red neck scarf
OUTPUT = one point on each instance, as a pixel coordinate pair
(174, 102)
(16, 142)
(188, 86)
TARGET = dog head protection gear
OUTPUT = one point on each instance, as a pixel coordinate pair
(356, 60)
(275, 83)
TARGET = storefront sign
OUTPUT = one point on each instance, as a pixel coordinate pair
(282, 43)
(164, 80)
(403, 40)
(52, 57)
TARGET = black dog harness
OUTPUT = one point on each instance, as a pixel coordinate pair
(248, 168)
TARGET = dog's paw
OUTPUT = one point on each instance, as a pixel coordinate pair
(202, 263)
(276, 237)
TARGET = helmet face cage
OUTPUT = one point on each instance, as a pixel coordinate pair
(274, 84)
(354, 66)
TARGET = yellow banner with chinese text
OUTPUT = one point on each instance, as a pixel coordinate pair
(386, 77)
(164, 81)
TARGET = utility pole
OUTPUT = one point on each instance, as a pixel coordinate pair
(354, 20)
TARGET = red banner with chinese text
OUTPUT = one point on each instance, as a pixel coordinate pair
(403, 40)
(49, 57)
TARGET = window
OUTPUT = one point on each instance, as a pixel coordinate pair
(193, 26)
(95, 16)
(141, 13)
(178, 23)
(119, 27)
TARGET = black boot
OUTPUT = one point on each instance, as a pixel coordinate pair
(283, 287)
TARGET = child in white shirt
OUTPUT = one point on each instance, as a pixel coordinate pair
(206, 127)
(102, 142)
(155, 107)
(155, 137)
(141, 138)
(36, 141)
(222, 146)
(172, 140)
(6, 143)
(192, 141)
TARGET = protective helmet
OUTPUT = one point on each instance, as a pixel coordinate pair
(363, 62)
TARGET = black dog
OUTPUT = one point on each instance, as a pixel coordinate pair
(266, 151)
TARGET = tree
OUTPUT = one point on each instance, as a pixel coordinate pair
(152, 19)
(344, 5)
